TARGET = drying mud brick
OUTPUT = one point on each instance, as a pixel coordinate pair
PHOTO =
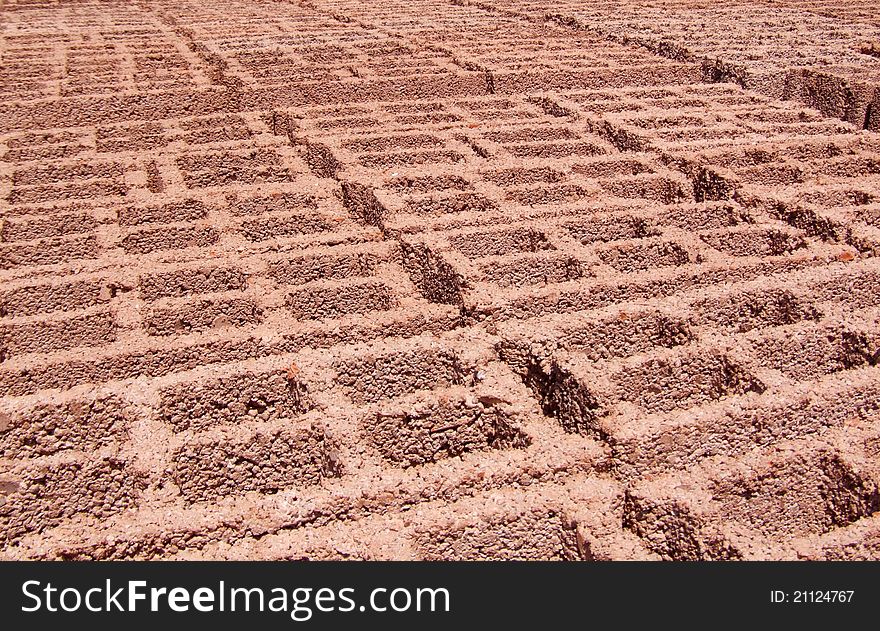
(452, 279)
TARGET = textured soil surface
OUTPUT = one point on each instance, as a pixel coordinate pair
(501, 279)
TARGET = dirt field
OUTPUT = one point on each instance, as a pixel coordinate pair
(502, 279)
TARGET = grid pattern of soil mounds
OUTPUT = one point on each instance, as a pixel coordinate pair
(825, 57)
(855, 12)
(465, 279)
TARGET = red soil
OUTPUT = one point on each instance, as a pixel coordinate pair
(437, 280)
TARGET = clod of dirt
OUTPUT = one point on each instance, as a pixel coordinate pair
(870, 48)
